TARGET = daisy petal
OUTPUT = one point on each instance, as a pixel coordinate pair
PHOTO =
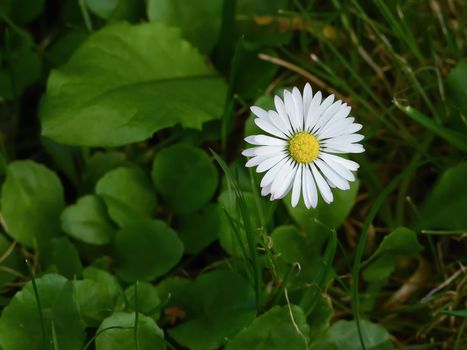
(284, 186)
(270, 128)
(269, 162)
(281, 178)
(269, 177)
(297, 97)
(311, 190)
(263, 140)
(313, 111)
(335, 178)
(338, 167)
(280, 108)
(281, 123)
(349, 164)
(327, 114)
(297, 184)
(307, 97)
(323, 187)
(259, 112)
(289, 104)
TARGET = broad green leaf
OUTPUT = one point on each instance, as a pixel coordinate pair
(457, 85)
(223, 304)
(185, 176)
(228, 238)
(147, 297)
(146, 250)
(445, 206)
(62, 256)
(99, 164)
(20, 325)
(294, 246)
(400, 242)
(343, 336)
(274, 330)
(88, 221)
(126, 82)
(199, 21)
(97, 295)
(117, 332)
(330, 215)
(31, 202)
(198, 230)
(128, 195)
(321, 316)
(116, 9)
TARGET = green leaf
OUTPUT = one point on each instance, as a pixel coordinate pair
(88, 221)
(199, 21)
(116, 9)
(228, 239)
(224, 303)
(185, 176)
(320, 318)
(343, 335)
(98, 295)
(117, 332)
(99, 164)
(146, 250)
(148, 298)
(457, 85)
(126, 82)
(294, 246)
(31, 202)
(128, 195)
(20, 325)
(400, 242)
(330, 215)
(63, 256)
(198, 230)
(445, 206)
(274, 330)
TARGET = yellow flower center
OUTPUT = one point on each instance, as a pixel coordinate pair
(303, 147)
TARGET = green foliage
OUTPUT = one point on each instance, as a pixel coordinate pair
(342, 335)
(97, 295)
(146, 250)
(185, 176)
(31, 202)
(124, 188)
(121, 332)
(400, 242)
(279, 328)
(88, 221)
(445, 206)
(57, 323)
(327, 215)
(128, 195)
(200, 21)
(198, 230)
(162, 81)
(223, 303)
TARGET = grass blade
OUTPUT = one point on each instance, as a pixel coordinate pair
(456, 139)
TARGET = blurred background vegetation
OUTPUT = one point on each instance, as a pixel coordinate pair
(400, 256)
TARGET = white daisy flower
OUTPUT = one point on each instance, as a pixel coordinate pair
(306, 133)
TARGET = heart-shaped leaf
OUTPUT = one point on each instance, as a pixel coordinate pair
(127, 81)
